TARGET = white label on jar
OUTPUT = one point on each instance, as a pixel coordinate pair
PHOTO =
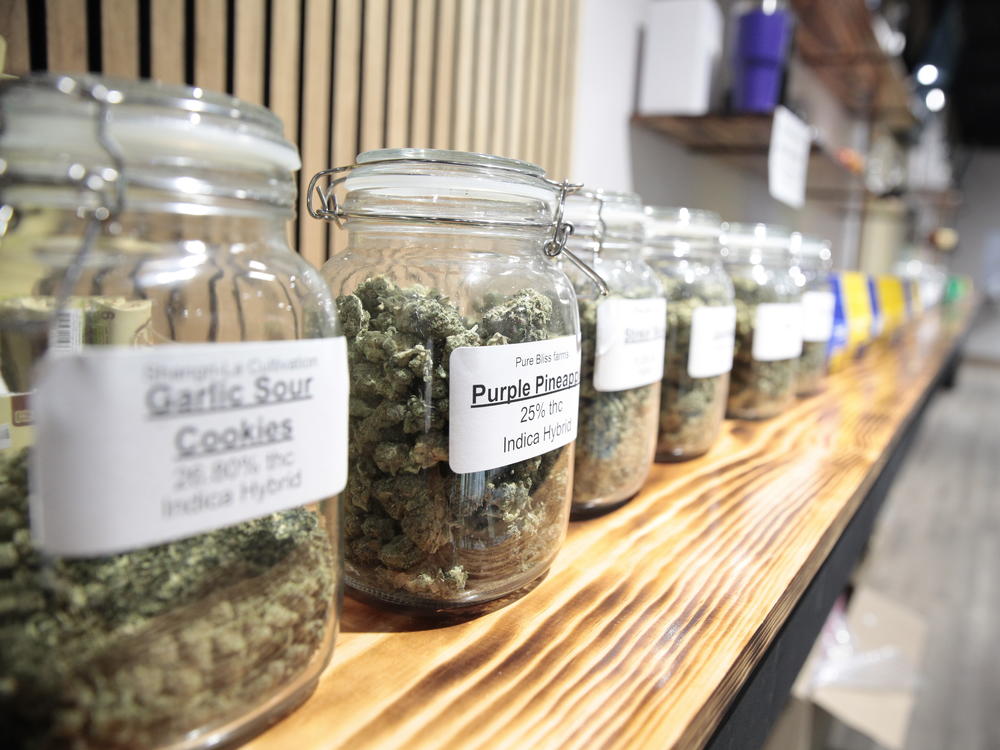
(777, 331)
(136, 447)
(630, 341)
(817, 316)
(511, 402)
(713, 336)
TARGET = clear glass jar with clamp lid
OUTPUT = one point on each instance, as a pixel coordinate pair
(682, 246)
(813, 264)
(622, 341)
(768, 320)
(463, 339)
(176, 581)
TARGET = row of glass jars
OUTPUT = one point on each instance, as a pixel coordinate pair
(172, 576)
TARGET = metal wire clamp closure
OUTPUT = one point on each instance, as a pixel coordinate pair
(106, 182)
(330, 209)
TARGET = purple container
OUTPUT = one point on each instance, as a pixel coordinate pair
(759, 58)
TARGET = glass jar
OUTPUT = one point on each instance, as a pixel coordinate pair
(622, 342)
(682, 246)
(464, 358)
(812, 267)
(176, 582)
(768, 320)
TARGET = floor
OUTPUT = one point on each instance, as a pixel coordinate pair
(937, 550)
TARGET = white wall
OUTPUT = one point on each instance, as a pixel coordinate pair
(978, 252)
(609, 152)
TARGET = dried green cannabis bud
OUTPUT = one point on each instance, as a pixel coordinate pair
(691, 409)
(615, 428)
(415, 530)
(757, 388)
(811, 367)
(131, 650)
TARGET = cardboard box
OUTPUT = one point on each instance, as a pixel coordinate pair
(862, 671)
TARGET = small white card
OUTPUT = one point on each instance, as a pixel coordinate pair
(788, 158)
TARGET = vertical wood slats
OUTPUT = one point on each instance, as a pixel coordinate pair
(66, 34)
(248, 77)
(343, 75)
(166, 23)
(209, 54)
(119, 38)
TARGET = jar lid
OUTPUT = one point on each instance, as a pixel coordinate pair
(621, 214)
(663, 223)
(431, 172)
(180, 139)
(810, 247)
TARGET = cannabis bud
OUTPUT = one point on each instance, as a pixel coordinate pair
(613, 443)
(757, 388)
(416, 531)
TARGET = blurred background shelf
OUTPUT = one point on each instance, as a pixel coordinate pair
(837, 39)
(743, 141)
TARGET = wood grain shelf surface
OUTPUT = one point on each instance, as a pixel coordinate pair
(653, 615)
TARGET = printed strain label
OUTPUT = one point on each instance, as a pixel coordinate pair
(136, 447)
(777, 331)
(817, 316)
(630, 341)
(512, 402)
(713, 338)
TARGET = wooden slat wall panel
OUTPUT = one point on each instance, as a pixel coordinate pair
(67, 35)
(248, 70)
(344, 75)
(209, 54)
(167, 23)
(424, 39)
(120, 38)
(284, 74)
(373, 75)
(397, 114)
(14, 27)
(444, 76)
(314, 141)
(347, 93)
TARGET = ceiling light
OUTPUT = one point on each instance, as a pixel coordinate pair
(935, 100)
(927, 74)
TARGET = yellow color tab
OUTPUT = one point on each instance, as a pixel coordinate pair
(892, 301)
(857, 309)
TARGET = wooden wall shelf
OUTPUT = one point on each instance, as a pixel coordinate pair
(653, 616)
(836, 40)
(743, 141)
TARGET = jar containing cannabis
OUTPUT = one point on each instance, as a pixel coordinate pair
(176, 581)
(622, 341)
(811, 270)
(682, 246)
(465, 372)
(768, 320)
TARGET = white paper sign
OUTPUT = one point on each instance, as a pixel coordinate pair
(630, 341)
(713, 337)
(512, 402)
(136, 447)
(777, 331)
(788, 158)
(817, 316)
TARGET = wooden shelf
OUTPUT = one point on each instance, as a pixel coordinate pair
(743, 141)
(653, 616)
(836, 40)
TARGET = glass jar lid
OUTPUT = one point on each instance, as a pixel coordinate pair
(603, 217)
(755, 243)
(663, 225)
(810, 248)
(437, 185)
(147, 143)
